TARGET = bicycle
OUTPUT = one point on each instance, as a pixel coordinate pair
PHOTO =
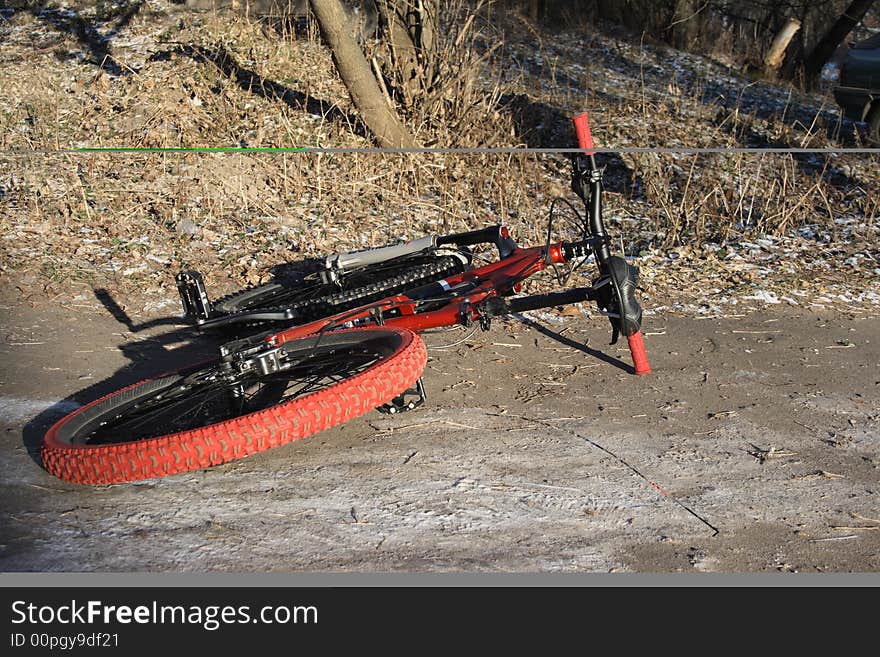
(310, 374)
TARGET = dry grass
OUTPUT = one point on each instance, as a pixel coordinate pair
(130, 221)
(694, 199)
(460, 86)
(144, 216)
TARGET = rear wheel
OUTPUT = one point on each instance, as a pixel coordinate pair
(305, 300)
(224, 410)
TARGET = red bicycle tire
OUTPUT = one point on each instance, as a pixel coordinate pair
(236, 437)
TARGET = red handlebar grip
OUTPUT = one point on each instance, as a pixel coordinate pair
(582, 128)
(637, 349)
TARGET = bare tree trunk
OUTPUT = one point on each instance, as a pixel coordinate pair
(774, 55)
(355, 71)
(534, 10)
(403, 47)
(412, 28)
(824, 50)
(611, 10)
(684, 23)
(428, 25)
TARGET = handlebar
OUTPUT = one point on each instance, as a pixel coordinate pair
(639, 355)
(618, 298)
(584, 137)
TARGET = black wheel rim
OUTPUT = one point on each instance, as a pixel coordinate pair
(206, 396)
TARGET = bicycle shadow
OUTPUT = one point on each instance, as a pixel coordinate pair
(574, 344)
(149, 357)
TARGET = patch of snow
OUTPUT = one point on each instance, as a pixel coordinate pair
(764, 295)
(830, 72)
(543, 316)
(18, 409)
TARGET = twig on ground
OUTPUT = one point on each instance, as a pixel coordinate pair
(764, 455)
(820, 473)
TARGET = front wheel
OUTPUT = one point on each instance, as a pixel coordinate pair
(224, 410)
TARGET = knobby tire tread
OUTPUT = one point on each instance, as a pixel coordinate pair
(234, 438)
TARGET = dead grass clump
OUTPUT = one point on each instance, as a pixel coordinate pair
(131, 221)
(462, 92)
(693, 199)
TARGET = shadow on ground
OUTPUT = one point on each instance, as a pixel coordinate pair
(148, 358)
(254, 83)
(113, 18)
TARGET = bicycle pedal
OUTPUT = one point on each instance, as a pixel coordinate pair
(405, 402)
(193, 296)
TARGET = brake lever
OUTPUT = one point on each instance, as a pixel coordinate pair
(615, 333)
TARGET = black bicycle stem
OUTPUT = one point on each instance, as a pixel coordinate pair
(586, 182)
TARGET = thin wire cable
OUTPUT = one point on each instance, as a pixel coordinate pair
(455, 344)
(621, 460)
(369, 151)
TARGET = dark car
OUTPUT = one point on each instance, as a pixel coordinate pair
(858, 90)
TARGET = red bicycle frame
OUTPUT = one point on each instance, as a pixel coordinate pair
(468, 300)
(478, 295)
(463, 307)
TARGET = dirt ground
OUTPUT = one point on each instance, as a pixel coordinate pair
(762, 414)
(766, 425)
